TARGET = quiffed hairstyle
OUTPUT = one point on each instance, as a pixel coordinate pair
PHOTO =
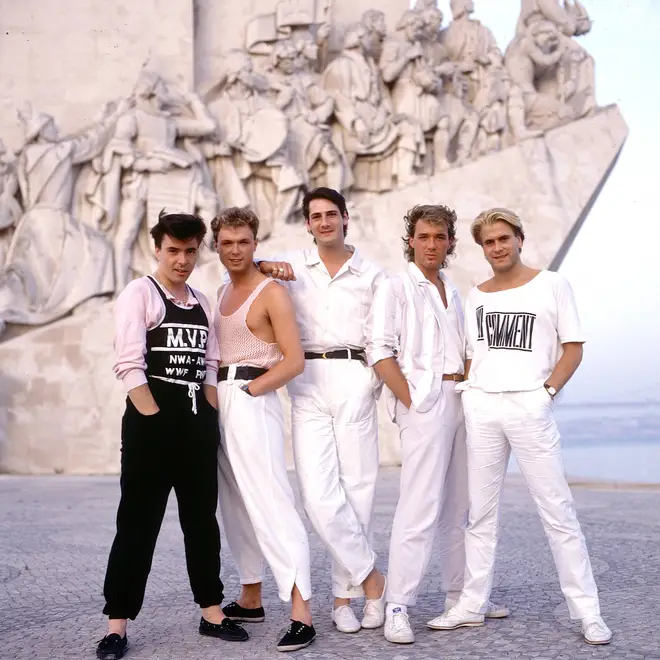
(325, 193)
(434, 214)
(490, 217)
(235, 217)
(182, 226)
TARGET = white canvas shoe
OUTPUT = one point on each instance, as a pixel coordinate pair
(397, 628)
(595, 631)
(374, 611)
(456, 618)
(493, 611)
(345, 619)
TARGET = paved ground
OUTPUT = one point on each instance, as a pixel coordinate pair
(55, 533)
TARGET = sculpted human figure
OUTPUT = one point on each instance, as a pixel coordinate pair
(10, 209)
(54, 262)
(575, 81)
(379, 144)
(374, 22)
(156, 171)
(418, 89)
(249, 157)
(471, 45)
(530, 59)
(309, 109)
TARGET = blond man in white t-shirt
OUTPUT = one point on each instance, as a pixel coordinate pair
(524, 343)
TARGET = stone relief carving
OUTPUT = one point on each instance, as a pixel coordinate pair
(545, 60)
(282, 115)
(250, 158)
(381, 146)
(54, 261)
(10, 209)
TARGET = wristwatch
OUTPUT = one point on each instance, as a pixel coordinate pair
(551, 390)
(246, 388)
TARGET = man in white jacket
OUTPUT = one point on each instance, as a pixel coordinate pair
(414, 340)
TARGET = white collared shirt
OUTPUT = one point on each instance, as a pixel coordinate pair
(408, 321)
(331, 311)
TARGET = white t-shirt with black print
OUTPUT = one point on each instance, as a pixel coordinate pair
(514, 337)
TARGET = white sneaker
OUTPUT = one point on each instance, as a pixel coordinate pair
(397, 628)
(493, 611)
(595, 631)
(345, 620)
(456, 618)
(374, 611)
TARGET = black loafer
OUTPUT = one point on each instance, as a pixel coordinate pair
(112, 647)
(298, 636)
(227, 630)
(237, 612)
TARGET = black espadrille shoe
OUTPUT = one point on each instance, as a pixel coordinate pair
(112, 647)
(228, 630)
(237, 612)
(298, 636)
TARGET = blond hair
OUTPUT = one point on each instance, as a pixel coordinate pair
(490, 217)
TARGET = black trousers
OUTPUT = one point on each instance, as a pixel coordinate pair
(172, 449)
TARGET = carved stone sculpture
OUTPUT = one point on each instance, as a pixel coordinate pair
(374, 22)
(10, 209)
(419, 91)
(471, 45)
(533, 61)
(249, 158)
(569, 80)
(151, 162)
(54, 261)
(298, 93)
(380, 146)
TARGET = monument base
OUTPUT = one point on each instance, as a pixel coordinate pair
(67, 418)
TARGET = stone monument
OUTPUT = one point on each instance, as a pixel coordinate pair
(212, 103)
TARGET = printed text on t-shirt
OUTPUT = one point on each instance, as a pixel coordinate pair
(513, 331)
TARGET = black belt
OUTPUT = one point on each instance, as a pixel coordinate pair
(339, 354)
(242, 373)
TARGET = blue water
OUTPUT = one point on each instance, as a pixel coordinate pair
(610, 442)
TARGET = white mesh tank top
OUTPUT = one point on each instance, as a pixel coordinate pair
(237, 343)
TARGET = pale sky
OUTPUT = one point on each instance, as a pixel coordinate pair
(610, 264)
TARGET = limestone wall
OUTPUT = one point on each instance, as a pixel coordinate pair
(69, 57)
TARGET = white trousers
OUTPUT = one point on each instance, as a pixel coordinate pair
(256, 500)
(335, 442)
(432, 496)
(522, 421)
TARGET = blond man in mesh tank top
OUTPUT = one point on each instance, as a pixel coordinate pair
(260, 351)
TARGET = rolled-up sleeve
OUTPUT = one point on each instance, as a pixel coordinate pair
(383, 328)
(130, 342)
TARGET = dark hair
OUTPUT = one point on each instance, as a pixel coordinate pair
(325, 193)
(434, 214)
(182, 226)
(235, 217)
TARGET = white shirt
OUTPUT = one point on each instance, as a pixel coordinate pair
(514, 337)
(408, 321)
(331, 311)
